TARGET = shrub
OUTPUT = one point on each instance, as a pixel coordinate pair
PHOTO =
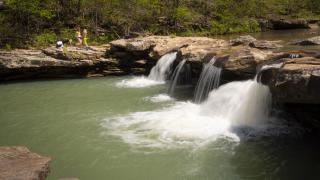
(45, 39)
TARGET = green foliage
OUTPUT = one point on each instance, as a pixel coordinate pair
(32, 22)
(45, 39)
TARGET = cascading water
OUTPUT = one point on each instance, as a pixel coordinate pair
(209, 79)
(161, 70)
(231, 106)
(158, 74)
(182, 73)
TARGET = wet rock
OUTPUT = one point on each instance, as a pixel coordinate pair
(243, 40)
(18, 163)
(294, 80)
(310, 41)
(265, 45)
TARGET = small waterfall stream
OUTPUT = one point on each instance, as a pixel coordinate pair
(182, 74)
(161, 70)
(209, 79)
(158, 74)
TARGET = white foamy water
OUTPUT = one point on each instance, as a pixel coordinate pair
(209, 79)
(228, 108)
(138, 82)
(158, 74)
(159, 98)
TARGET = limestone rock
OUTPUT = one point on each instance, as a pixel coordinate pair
(18, 163)
(245, 61)
(75, 54)
(157, 46)
(295, 80)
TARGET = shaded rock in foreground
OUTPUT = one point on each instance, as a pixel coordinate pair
(18, 163)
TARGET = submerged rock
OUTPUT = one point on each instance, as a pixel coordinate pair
(294, 80)
(18, 163)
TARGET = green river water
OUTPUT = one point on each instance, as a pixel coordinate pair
(65, 120)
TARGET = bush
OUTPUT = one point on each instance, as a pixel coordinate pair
(45, 39)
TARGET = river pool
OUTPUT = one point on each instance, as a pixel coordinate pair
(91, 130)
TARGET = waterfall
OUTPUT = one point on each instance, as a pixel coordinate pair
(244, 103)
(161, 70)
(209, 79)
(229, 110)
(158, 74)
(182, 74)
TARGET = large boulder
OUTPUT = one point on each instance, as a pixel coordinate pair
(244, 62)
(294, 80)
(18, 163)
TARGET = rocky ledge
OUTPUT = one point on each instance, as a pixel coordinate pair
(292, 76)
(54, 63)
(239, 57)
(294, 80)
(18, 163)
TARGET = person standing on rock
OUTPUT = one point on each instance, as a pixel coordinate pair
(78, 36)
(85, 38)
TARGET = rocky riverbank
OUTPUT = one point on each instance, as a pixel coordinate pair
(293, 77)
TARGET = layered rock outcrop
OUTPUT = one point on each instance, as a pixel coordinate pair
(294, 80)
(54, 63)
(240, 56)
(18, 163)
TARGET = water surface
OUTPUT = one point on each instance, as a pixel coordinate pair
(66, 120)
